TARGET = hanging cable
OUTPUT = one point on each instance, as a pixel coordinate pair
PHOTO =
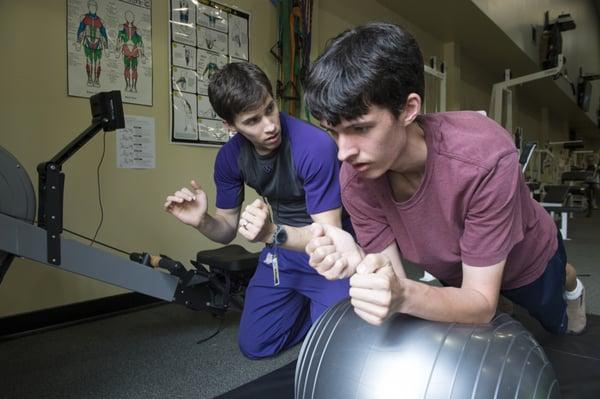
(99, 190)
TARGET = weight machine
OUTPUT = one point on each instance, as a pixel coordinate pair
(216, 283)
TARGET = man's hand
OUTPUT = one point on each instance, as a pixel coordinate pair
(255, 222)
(187, 205)
(333, 252)
(375, 291)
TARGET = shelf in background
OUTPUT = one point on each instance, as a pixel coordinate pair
(462, 22)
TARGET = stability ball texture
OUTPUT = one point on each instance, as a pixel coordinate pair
(345, 357)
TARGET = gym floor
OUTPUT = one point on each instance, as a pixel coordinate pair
(153, 352)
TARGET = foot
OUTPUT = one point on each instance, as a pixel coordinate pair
(576, 315)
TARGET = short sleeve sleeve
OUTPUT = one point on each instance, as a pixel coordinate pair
(319, 170)
(493, 222)
(228, 180)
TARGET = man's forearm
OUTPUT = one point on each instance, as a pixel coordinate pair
(298, 237)
(446, 304)
(216, 229)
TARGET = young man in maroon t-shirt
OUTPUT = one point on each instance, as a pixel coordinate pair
(442, 190)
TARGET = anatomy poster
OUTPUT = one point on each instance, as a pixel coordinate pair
(109, 47)
(204, 36)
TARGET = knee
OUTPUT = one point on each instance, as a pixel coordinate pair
(253, 349)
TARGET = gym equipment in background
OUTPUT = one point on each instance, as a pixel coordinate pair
(585, 89)
(552, 62)
(582, 184)
(502, 94)
(344, 357)
(217, 283)
(551, 38)
(526, 152)
(17, 199)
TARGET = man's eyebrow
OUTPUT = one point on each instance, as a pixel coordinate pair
(351, 124)
(249, 118)
(257, 112)
(359, 123)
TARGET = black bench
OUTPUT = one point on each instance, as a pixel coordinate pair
(229, 269)
(218, 281)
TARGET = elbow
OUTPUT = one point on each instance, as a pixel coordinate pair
(481, 317)
(482, 311)
(228, 235)
(226, 240)
(486, 314)
(487, 317)
(484, 307)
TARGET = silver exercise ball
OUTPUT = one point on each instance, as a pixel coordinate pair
(345, 357)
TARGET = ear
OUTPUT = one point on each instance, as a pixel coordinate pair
(229, 126)
(412, 108)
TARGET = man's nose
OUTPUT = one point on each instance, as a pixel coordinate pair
(269, 125)
(346, 149)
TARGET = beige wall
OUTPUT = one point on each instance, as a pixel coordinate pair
(39, 119)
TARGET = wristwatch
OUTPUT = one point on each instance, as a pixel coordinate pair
(279, 235)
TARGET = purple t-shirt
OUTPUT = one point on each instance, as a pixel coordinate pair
(300, 179)
(472, 207)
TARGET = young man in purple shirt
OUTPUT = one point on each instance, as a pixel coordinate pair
(441, 190)
(293, 167)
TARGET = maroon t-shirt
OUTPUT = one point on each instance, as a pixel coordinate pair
(472, 207)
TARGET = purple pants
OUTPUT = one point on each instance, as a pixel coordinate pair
(276, 318)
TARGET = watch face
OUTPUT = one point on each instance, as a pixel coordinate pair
(281, 236)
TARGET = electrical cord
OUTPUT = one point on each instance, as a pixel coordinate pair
(99, 190)
(97, 242)
(74, 233)
(219, 329)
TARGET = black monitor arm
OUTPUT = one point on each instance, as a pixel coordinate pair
(107, 115)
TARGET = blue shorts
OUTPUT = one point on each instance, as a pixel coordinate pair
(543, 298)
